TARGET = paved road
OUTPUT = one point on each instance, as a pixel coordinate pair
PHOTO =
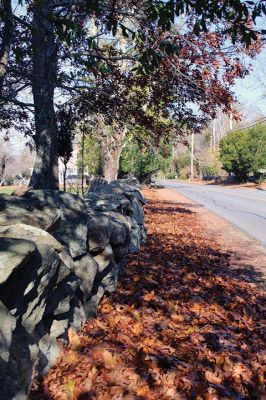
(246, 208)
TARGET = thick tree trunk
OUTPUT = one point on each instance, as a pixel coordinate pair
(6, 40)
(111, 164)
(112, 147)
(44, 47)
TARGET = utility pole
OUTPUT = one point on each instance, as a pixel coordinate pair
(213, 135)
(192, 158)
(231, 122)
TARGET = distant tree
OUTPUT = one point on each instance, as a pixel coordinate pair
(89, 155)
(235, 155)
(65, 135)
(181, 161)
(210, 165)
(6, 158)
(244, 152)
(142, 162)
(257, 144)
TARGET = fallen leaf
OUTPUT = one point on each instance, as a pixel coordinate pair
(177, 317)
(137, 329)
(113, 320)
(74, 340)
(149, 296)
(110, 361)
(213, 377)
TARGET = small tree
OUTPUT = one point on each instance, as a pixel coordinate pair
(257, 144)
(89, 156)
(142, 162)
(5, 159)
(65, 135)
(244, 152)
(236, 156)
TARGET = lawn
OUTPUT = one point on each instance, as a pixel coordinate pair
(7, 189)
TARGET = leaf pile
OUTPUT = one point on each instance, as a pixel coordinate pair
(180, 326)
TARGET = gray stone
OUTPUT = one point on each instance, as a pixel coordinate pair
(28, 232)
(120, 232)
(8, 324)
(49, 353)
(131, 180)
(35, 287)
(61, 325)
(66, 258)
(109, 277)
(86, 269)
(134, 193)
(17, 366)
(121, 252)
(90, 306)
(99, 231)
(14, 209)
(14, 253)
(107, 202)
(121, 186)
(135, 238)
(136, 211)
(63, 306)
(72, 232)
(143, 232)
(60, 213)
(121, 227)
(104, 258)
(96, 183)
(71, 229)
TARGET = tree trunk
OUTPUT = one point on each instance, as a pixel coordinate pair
(112, 148)
(82, 158)
(111, 164)
(3, 162)
(44, 47)
(6, 39)
(64, 175)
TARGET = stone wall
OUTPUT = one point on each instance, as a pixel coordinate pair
(59, 254)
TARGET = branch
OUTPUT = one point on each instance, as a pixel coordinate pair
(22, 22)
(106, 58)
(20, 73)
(4, 99)
(69, 3)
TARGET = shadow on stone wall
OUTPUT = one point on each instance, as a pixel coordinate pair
(59, 254)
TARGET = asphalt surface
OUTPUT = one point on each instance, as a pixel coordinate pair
(245, 208)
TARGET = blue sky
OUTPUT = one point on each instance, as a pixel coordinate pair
(250, 90)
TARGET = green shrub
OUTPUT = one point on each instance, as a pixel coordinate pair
(170, 175)
(244, 152)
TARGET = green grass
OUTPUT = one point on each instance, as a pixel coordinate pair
(10, 189)
(6, 189)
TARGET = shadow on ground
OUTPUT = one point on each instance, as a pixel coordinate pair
(183, 324)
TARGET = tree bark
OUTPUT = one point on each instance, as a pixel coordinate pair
(64, 175)
(44, 47)
(111, 164)
(112, 148)
(6, 40)
(82, 158)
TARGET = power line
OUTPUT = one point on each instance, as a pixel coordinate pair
(252, 124)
